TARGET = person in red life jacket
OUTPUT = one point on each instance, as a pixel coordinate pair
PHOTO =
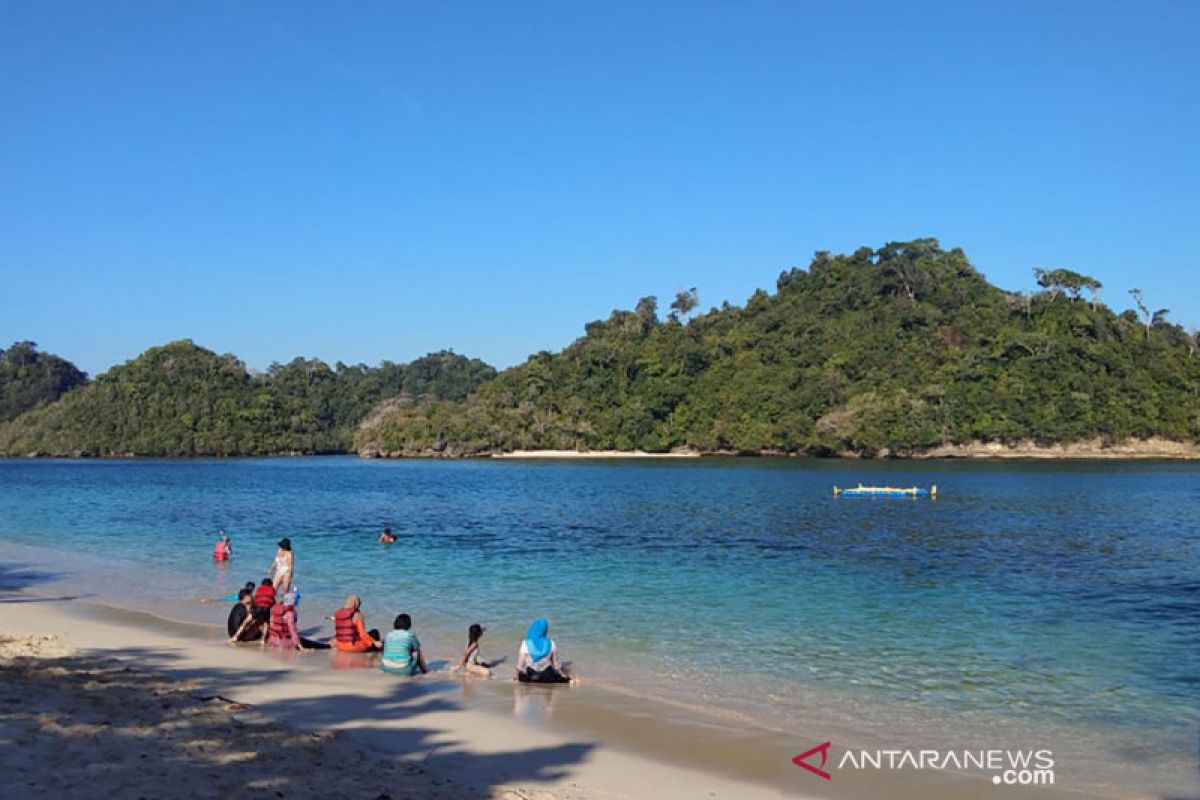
(264, 599)
(283, 628)
(223, 549)
(350, 632)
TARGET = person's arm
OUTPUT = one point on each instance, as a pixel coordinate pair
(466, 656)
(360, 628)
(555, 663)
(420, 657)
(237, 635)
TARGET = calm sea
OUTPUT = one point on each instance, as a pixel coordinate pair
(1050, 600)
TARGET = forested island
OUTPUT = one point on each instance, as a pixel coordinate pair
(183, 400)
(903, 350)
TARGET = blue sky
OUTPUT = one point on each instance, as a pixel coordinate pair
(363, 181)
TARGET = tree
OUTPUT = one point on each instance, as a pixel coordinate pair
(685, 302)
(1140, 301)
(1073, 283)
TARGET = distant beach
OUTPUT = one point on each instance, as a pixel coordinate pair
(594, 454)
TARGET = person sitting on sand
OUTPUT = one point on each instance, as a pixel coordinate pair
(402, 649)
(284, 566)
(387, 537)
(350, 632)
(242, 624)
(283, 631)
(471, 663)
(537, 661)
(223, 550)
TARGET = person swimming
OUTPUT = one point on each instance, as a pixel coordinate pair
(471, 663)
(387, 537)
(538, 661)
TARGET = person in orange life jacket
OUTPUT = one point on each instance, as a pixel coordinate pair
(350, 632)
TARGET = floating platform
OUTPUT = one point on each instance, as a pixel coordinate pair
(885, 491)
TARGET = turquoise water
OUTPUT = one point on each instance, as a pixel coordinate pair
(1049, 597)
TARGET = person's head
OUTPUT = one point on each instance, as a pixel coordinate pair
(244, 595)
(249, 586)
(285, 544)
(387, 531)
(352, 601)
(268, 582)
(403, 622)
(538, 629)
(474, 632)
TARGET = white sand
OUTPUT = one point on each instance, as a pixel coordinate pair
(593, 454)
(86, 726)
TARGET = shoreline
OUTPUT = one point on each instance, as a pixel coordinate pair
(1151, 449)
(479, 736)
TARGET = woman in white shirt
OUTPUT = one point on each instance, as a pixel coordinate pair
(537, 661)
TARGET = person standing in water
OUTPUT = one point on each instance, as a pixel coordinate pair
(223, 550)
(284, 567)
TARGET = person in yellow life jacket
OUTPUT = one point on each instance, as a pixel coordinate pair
(350, 632)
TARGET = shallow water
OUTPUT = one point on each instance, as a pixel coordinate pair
(1029, 600)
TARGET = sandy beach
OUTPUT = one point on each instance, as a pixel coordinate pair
(104, 701)
(598, 454)
(108, 705)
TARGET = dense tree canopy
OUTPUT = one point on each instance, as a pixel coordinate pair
(181, 399)
(894, 350)
(29, 378)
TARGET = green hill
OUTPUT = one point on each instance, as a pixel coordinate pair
(181, 399)
(881, 351)
(29, 378)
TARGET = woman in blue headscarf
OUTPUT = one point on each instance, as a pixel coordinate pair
(538, 660)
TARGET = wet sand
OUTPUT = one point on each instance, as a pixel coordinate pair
(482, 738)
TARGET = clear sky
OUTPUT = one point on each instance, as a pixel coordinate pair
(361, 181)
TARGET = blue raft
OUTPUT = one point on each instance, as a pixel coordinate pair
(885, 491)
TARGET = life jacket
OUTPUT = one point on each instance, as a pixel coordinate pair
(343, 625)
(278, 628)
(264, 597)
(219, 552)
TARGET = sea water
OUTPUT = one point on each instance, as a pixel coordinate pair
(1040, 603)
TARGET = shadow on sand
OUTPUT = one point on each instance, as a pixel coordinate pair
(16, 578)
(89, 708)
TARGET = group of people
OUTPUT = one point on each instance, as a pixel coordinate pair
(267, 613)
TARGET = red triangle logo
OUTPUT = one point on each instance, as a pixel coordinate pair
(823, 749)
